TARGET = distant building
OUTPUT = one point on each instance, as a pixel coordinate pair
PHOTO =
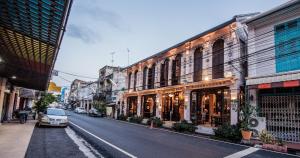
(274, 69)
(111, 85)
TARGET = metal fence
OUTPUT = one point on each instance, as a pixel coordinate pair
(283, 116)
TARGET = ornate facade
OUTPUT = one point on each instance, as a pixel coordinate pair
(198, 80)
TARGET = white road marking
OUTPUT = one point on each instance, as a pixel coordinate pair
(84, 146)
(242, 153)
(104, 141)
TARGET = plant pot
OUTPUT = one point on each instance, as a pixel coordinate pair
(275, 147)
(246, 134)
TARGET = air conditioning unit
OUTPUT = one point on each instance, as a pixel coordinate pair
(257, 125)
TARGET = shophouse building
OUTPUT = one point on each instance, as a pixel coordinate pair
(199, 80)
(273, 69)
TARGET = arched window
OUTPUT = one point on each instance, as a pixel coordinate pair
(198, 56)
(164, 73)
(145, 77)
(151, 77)
(176, 70)
(129, 80)
(135, 80)
(218, 59)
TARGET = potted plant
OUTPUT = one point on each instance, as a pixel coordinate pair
(270, 143)
(246, 112)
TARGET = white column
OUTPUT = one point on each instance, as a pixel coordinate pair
(187, 102)
(233, 106)
(139, 106)
(11, 103)
(125, 107)
(170, 71)
(158, 105)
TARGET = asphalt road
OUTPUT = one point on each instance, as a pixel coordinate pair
(52, 143)
(120, 139)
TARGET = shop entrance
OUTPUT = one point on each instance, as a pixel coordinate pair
(149, 105)
(132, 106)
(210, 107)
(172, 105)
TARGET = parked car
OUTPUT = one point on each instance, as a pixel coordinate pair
(80, 110)
(95, 113)
(53, 117)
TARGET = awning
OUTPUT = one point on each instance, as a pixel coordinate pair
(30, 35)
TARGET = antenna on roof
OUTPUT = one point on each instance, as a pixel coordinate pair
(112, 58)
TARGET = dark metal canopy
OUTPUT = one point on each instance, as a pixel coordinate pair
(30, 36)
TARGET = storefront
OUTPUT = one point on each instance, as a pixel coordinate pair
(173, 106)
(210, 107)
(280, 105)
(132, 106)
(149, 105)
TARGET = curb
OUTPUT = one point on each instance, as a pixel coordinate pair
(199, 137)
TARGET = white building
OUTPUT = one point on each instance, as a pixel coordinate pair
(274, 69)
(199, 80)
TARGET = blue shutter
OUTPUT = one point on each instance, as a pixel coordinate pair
(287, 46)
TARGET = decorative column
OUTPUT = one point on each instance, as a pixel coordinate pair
(139, 106)
(11, 103)
(125, 107)
(158, 105)
(187, 106)
(233, 106)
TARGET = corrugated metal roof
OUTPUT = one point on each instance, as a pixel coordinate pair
(30, 34)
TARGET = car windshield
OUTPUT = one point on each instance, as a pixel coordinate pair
(56, 112)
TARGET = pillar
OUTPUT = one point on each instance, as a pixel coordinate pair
(233, 107)
(158, 105)
(2, 89)
(125, 107)
(11, 103)
(187, 105)
(139, 106)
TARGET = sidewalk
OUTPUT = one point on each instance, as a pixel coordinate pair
(14, 138)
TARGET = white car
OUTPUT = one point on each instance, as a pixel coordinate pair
(53, 117)
(80, 110)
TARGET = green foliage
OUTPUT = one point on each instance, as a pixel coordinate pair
(122, 117)
(157, 122)
(100, 106)
(228, 132)
(266, 138)
(246, 112)
(42, 104)
(136, 119)
(184, 126)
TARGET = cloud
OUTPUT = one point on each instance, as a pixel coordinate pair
(97, 14)
(83, 33)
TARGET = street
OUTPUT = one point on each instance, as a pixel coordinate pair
(139, 141)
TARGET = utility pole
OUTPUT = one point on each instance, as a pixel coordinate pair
(112, 58)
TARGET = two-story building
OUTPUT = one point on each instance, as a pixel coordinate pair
(199, 80)
(274, 69)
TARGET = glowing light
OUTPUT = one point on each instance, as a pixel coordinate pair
(13, 77)
(206, 78)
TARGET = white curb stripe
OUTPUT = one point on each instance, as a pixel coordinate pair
(242, 153)
(104, 141)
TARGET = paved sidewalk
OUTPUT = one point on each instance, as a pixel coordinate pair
(14, 138)
(52, 143)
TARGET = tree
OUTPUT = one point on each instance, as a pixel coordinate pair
(100, 106)
(43, 103)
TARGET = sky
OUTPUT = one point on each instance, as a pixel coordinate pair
(96, 28)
